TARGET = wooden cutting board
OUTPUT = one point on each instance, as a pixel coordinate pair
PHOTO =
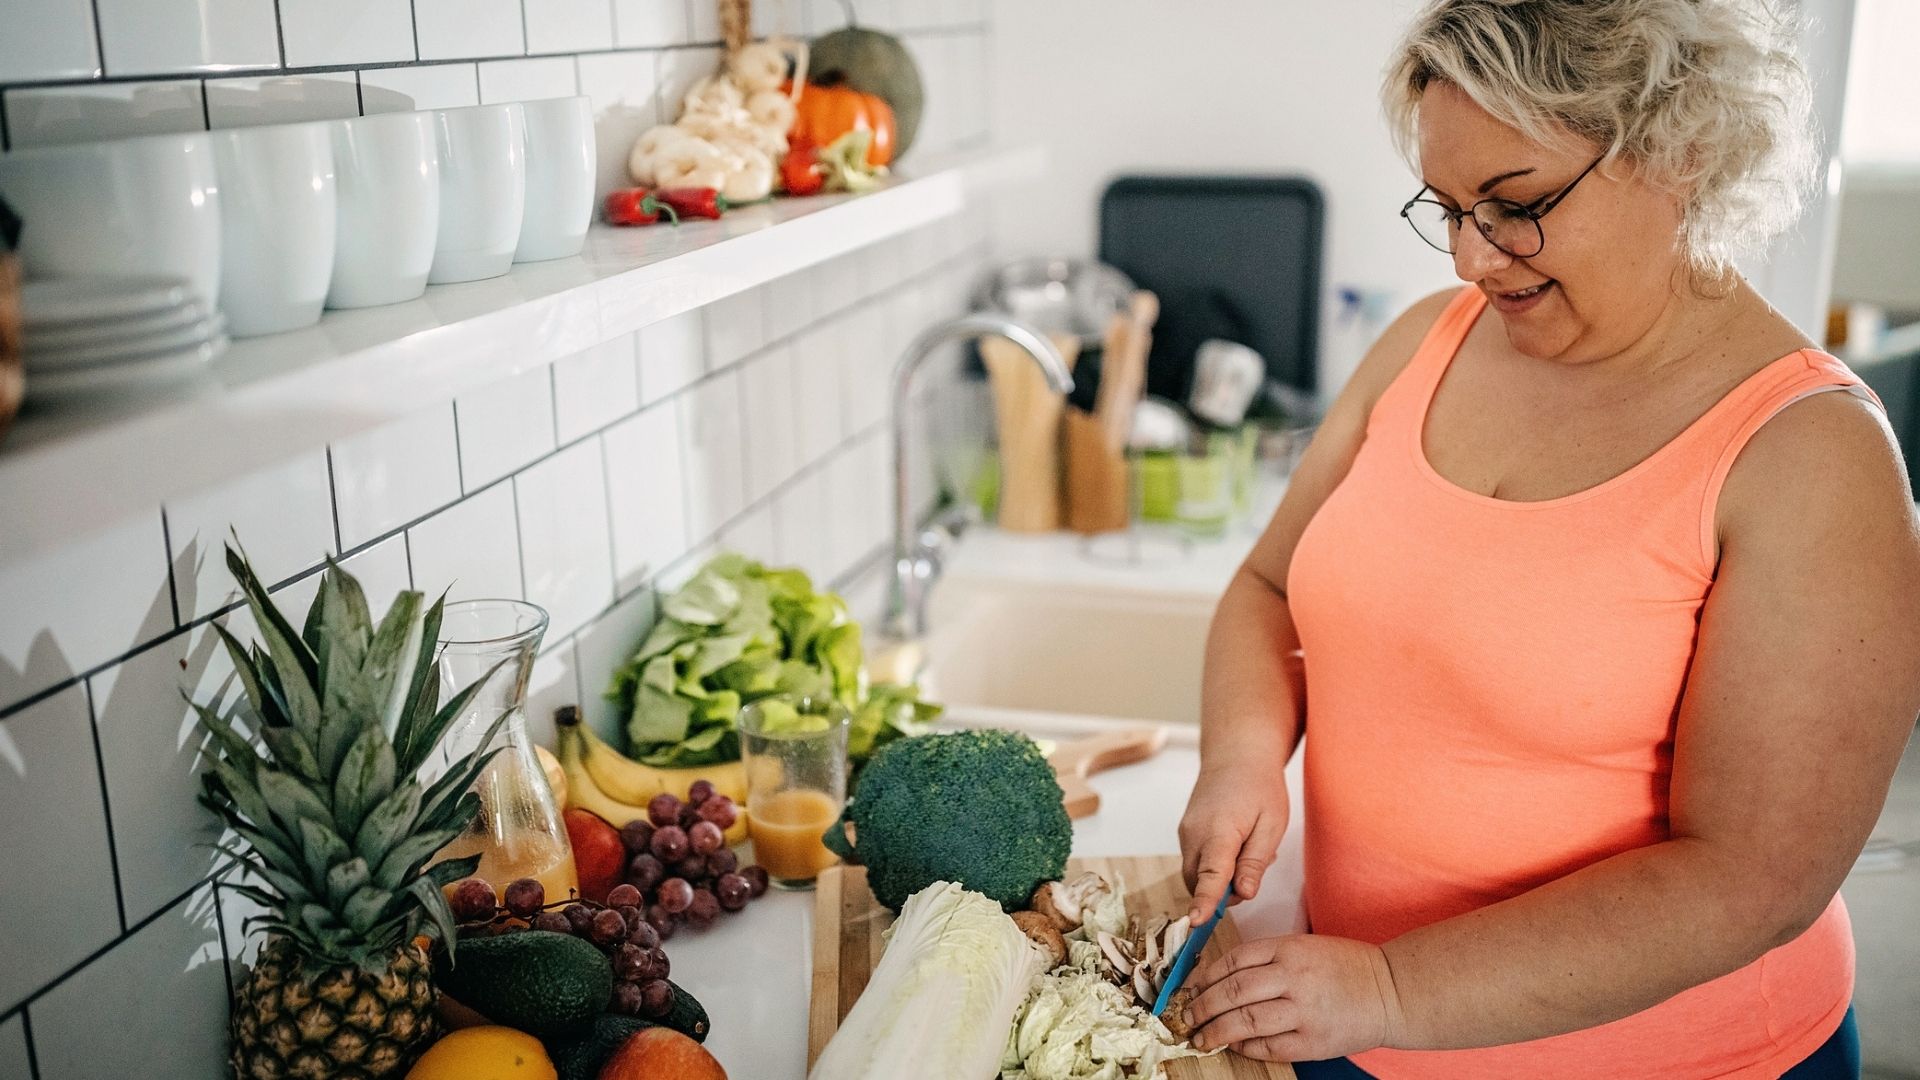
(848, 923)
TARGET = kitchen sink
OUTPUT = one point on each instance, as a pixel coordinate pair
(997, 650)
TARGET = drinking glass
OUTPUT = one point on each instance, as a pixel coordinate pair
(518, 831)
(795, 749)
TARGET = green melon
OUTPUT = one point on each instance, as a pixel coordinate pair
(872, 63)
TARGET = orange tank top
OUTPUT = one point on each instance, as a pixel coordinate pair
(1492, 688)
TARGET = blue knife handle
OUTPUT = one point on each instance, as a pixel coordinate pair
(1189, 952)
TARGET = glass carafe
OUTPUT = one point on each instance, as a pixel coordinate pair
(518, 831)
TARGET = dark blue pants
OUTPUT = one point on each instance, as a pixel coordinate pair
(1837, 1059)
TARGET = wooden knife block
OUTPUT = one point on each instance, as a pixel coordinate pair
(1028, 414)
(1097, 478)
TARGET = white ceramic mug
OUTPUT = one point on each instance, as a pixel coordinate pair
(387, 171)
(483, 191)
(277, 213)
(560, 174)
(148, 206)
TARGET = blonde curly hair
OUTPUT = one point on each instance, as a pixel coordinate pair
(1707, 96)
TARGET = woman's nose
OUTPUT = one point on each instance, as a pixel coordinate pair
(1474, 256)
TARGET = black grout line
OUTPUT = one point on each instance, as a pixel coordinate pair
(413, 23)
(359, 101)
(333, 502)
(459, 465)
(280, 33)
(99, 41)
(406, 546)
(206, 104)
(33, 1055)
(220, 931)
(606, 485)
(106, 806)
(173, 583)
(6, 138)
(526, 40)
(670, 400)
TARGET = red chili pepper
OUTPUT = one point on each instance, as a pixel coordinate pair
(800, 171)
(637, 206)
(695, 202)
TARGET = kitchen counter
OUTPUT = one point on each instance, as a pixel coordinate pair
(752, 970)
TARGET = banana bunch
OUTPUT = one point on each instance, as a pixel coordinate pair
(605, 782)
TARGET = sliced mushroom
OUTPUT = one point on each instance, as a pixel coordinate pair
(1175, 936)
(1143, 986)
(1119, 959)
(1044, 934)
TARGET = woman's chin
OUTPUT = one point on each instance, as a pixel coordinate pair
(1537, 338)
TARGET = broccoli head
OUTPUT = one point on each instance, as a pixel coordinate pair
(981, 808)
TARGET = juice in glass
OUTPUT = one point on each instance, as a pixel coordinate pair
(786, 830)
(795, 749)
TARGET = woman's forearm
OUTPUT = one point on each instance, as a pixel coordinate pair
(1252, 696)
(1601, 943)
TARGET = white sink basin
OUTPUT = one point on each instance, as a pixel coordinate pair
(1094, 653)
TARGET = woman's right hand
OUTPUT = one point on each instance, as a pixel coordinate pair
(1231, 830)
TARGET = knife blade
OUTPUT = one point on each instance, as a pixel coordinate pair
(1189, 952)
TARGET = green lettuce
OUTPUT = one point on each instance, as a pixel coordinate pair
(738, 632)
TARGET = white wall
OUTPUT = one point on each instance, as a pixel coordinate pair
(1119, 86)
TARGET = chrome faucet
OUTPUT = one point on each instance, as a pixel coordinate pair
(915, 559)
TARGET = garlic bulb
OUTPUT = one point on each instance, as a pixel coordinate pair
(759, 66)
(771, 109)
(712, 94)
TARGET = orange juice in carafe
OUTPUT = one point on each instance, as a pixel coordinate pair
(514, 832)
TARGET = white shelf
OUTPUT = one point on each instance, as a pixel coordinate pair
(67, 473)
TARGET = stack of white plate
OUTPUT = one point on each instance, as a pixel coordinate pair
(86, 336)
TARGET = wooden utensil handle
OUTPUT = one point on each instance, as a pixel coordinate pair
(1075, 761)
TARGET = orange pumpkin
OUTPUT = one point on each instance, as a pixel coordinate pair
(824, 113)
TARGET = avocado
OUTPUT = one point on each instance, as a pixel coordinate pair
(580, 1057)
(687, 1016)
(546, 984)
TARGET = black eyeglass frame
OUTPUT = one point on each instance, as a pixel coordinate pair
(1533, 212)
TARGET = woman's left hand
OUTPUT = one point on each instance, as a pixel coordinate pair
(1301, 997)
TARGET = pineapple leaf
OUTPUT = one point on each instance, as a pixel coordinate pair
(291, 889)
(227, 743)
(406, 858)
(363, 908)
(423, 688)
(239, 797)
(339, 624)
(319, 921)
(291, 800)
(386, 672)
(259, 896)
(439, 915)
(323, 850)
(451, 813)
(460, 777)
(446, 873)
(391, 822)
(291, 751)
(273, 848)
(273, 625)
(425, 738)
(243, 669)
(345, 879)
(365, 777)
(280, 716)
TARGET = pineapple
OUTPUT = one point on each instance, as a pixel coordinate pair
(335, 823)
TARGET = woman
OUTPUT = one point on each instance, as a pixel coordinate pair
(1599, 610)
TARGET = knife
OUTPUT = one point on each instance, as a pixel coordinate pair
(1190, 952)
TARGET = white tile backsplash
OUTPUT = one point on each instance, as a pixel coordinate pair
(816, 393)
(13, 1048)
(555, 681)
(672, 354)
(712, 451)
(471, 550)
(800, 513)
(865, 382)
(651, 23)
(561, 26)
(789, 303)
(387, 477)
(335, 33)
(532, 79)
(283, 517)
(463, 29)
(71, 609)
(104, 1021)
(49, 39)
(594, 388)
(427, 86)
(625, 90)
(58, 890)
(250, 102)
(149, 748)
(45, 116)
(705, 25)
(767, 395)
(383, 573)
(646, 493)
(736, 328)
(505, 426)
(565, 546)
(752, 534)
(602, 648)
(155, 37)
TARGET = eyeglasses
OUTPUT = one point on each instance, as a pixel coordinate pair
(1507, 225)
